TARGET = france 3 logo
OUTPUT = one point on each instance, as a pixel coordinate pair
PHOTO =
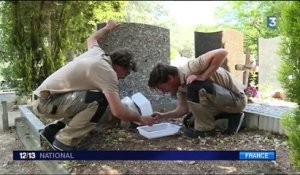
(271, 22)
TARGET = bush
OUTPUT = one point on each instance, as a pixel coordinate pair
(289, 75)
(291, 123)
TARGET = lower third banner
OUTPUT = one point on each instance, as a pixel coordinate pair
(144, 155)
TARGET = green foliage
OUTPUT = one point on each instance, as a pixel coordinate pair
(146, 12)
(291, 123)
(173, 54)
(154, 13)
(208, 28)
(289, 73)
(106, 10)
(250, 17)
(182, 40)
(36, 35)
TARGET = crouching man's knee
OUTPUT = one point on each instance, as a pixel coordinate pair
(102, 104)
(194, 87)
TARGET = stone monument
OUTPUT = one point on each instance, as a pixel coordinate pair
(269, 63)
(229, 39)
(150, 45)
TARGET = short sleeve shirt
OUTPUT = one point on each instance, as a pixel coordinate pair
(91, 70)
(197, 66)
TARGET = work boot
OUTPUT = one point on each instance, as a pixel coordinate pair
(235, 121)
(188, 120)
(49, 132)
(59, 146)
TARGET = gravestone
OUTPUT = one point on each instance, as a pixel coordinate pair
(229, 39)
(269, 63)
(150, 45)
(205, 42)
(250, 65)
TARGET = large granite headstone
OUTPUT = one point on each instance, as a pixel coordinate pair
(269, 63)
(229, 39)
(205, 42)
(150, 45)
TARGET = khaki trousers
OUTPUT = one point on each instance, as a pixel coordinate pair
(74, 110)
(222, 100)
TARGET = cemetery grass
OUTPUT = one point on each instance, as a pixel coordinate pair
(110, 137)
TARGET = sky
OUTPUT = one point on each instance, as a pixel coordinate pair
(193, 12)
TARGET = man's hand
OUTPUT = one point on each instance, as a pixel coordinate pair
(102, 33)
(191, 78)
(147, 120)
(158, 116)
(111, 24)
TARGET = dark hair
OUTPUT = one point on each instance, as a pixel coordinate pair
(123, 57)
(160, 73)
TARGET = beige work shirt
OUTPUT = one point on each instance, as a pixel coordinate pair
(198, 65)
(90, 71)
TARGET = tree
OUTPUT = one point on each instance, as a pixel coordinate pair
(146, 12)
(208, 28)
(154, 13)
(36, 35)
(289, 74)
(250, 17)
(182, 40)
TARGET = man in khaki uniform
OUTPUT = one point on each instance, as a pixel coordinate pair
(79, 92)
(204, 88)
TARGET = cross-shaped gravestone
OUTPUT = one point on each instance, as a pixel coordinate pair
(247, 67)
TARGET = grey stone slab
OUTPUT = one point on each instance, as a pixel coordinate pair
(7, 99)
(36, 124)
(26, 134)
(5, 123)
(150, 45)
(205, 42)
(27, 128)
(31, 124)
(266, 115)
(11, 118)
(274, 109)
(30, 142)
(6, 96)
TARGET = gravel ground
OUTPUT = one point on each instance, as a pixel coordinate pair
(108, 137)
(9, 142)
(112, 138)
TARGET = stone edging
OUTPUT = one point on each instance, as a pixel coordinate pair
(27, 128)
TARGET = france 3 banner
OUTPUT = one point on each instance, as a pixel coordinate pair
(144, 155)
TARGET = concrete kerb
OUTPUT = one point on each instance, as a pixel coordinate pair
(27, 128)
